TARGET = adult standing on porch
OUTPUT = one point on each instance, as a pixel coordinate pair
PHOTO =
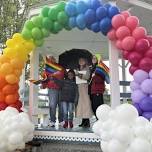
(53, 90)
(84, 109)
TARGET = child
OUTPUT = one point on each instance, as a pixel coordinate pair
(68, 97)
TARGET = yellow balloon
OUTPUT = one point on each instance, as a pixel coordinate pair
(11, 78)
(17, 63)
(29, 46)
(10, 43)
(6, 68)
(23, 56)
(8, 52)
(17, 37)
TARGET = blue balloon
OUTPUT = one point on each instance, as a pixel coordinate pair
(113, 10)
(95, 27)
(101, 12)
(81, 7)
(90, 16)
(95, 4)
(146, 104)
(80, 20)
(72, 22)
(70, 9)
(105, 25)
(107, 6)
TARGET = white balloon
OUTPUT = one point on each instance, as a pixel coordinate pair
(126, 114)
(124, 134)
(115, 146)
(102, 112)
(140, 145)
(141, 121)
(96, 127)
(105, 135)
(148, 129)
(15, 138)
(107, 125)
(104, 146)
(140, 132)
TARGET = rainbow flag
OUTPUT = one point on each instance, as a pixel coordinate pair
(103, 70)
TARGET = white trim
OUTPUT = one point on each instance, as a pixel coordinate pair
(66, 136)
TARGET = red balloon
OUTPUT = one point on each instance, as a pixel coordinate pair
(128, 43)
(139, 33)
(3, 106)
(132, 69)
(122, 32)
(134, 58)
(142, 45)
(149, 38)
(112, 35)
(149, 53)
(146, 64)
(132, 22)
(126, 14)
(125, 55)
(119, 44)
(118, 20)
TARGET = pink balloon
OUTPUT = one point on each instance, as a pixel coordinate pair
(118, 20)
(125, 55)
(142, 45)
(112, 35)
(149, 53)
(119, 44)
(132, 69)
(132, 22)
(128, 43)
(126, 14)
(139, 33)
(134, 58)
(149, 38)
(146, 64)
(122, 32)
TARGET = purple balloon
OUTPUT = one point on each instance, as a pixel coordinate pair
(150, 74)
(146, 104)
(140, 75)
(136, 105)
(147, 115)
(137, 96)
(134, 85)
(146, 86)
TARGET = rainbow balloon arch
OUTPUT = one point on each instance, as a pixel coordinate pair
(120, 27)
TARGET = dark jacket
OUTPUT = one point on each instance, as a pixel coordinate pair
(69, 91)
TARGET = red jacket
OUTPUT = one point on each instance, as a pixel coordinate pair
(97, 85)
(51, 84)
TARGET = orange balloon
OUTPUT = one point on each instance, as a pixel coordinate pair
(10, 89)
(18, 73)
(2, 97)
(2, 82)
(17, 96)
(10, 99)
(11, 79)
(4, 59)
(6, 68)
(8, 52)
(17, 63)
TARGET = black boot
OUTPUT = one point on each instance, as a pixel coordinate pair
(86, 124)
(82, 123)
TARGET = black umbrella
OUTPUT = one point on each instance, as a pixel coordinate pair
(69, 59)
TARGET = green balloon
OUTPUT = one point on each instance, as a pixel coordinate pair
(45, 32)
(29, 25)
(68, 28)
(37, 33)
(45, 11)
(62, 18)
(37, 20)
(47, 23)
(39, 42)
(57, 27)
(61, 6)
(26, 34)
(53, 13)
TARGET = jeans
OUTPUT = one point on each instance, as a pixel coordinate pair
(68, 109)
(53, 103)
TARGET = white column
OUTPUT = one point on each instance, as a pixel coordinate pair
(114, 75)
(33, 92)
